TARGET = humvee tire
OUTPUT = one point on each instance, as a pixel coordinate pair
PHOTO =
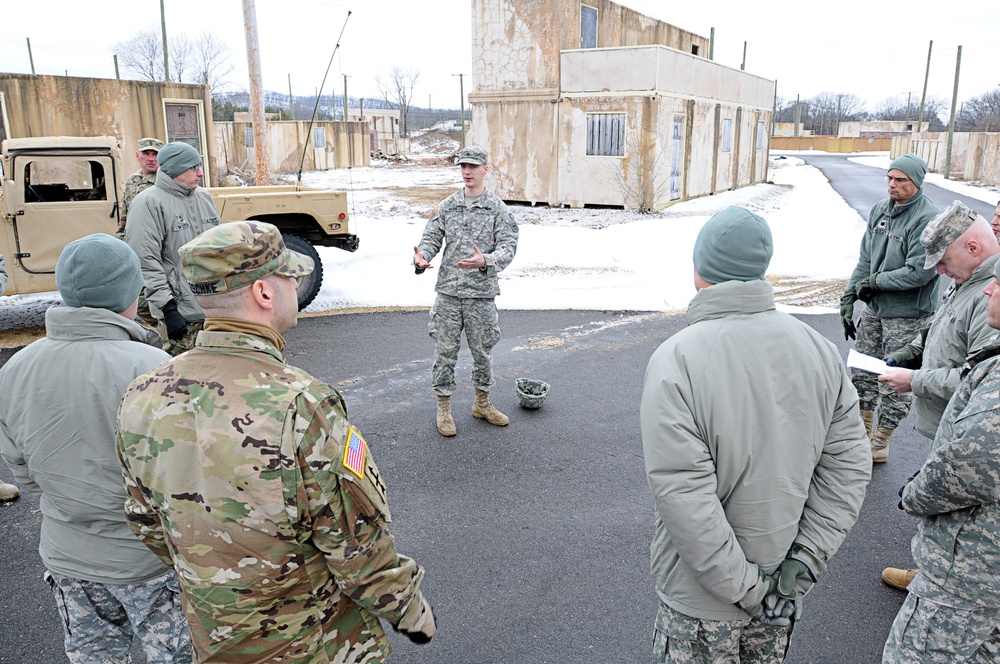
(309, 287)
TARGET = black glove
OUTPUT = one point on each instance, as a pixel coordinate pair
(903, 488)
(909, 356)
(865, 287)
(176, 325)
(847, 315)
(420, 626)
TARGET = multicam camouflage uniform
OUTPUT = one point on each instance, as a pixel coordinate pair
(136, 183)
(245, 475)
(466, 296)
(952, 613)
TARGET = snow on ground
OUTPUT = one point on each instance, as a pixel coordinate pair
(580, 258)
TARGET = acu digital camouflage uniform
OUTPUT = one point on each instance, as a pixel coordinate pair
(466, 296)
(681, 639)
(952, 613)
(244, 474)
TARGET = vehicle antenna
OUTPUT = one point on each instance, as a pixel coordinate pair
(316, 107)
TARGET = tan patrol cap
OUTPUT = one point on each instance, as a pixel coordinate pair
(944, 229)
(153, 144)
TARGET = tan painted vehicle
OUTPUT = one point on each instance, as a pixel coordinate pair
(59, 189)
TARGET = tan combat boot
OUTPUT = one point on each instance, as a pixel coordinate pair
(880, 444)
(898, 578)
(868, 417)
(445, 422)
(8, 492)
(483, 409)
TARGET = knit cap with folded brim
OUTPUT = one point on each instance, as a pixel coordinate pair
(913, 165)
(98, 271)
(734, 245)
(175, 158)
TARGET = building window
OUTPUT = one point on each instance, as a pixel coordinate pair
(694, 49)
(588, 27)
(319, 137)
(727, 134)
(606, 134)
(761, 135)
(248, 136)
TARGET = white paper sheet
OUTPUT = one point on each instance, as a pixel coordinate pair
(864, 362)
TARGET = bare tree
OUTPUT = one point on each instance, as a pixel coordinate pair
(211, 61)
(982, 113)
(643, 176)
(142, 55)
(205, 60)
(397, 88)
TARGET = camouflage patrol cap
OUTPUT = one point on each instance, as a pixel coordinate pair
(944, 229)
(232, 255)
(473, 155)
(153, 144)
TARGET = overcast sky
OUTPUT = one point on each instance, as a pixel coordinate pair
(873, 49)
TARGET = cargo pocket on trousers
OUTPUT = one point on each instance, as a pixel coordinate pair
(674, 632)
(60, 599)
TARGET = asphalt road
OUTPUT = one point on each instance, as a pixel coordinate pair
(863, 186)
(535, 536)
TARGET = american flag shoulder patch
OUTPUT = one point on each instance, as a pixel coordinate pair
(355, 452)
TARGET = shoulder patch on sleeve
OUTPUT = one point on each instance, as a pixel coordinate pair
(355, 452)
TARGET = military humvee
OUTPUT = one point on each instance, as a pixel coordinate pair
(59, 189)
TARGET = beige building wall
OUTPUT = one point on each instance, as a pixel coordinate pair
(536, 91)
(37, 106)
(975, 156)
(878, 128)
(342, 145)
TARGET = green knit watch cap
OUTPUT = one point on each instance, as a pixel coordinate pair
(175, 158)
(734, 245)
(913, 165)
(233, 255)
(98, 271)
(944, 229)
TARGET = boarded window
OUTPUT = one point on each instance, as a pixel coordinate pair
(248, 136)
(319, 137)
(606, 134)
(727, 134)
(761, 135)
(588, 27)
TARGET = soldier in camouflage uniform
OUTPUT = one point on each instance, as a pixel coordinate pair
(479, 236)
(952, 612)
(244, 474)
(147, 154)
(960, 244)
(143, 178)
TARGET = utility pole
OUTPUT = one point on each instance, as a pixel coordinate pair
(711, 44)
(836, 128)
(117, 75)
(951, 120)
(743, 65)
(461, 92)
(923, 97)
(345, 97)
(163, 29)
(30, 58)
(256, 98)
(798, 115)
(291, 100)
